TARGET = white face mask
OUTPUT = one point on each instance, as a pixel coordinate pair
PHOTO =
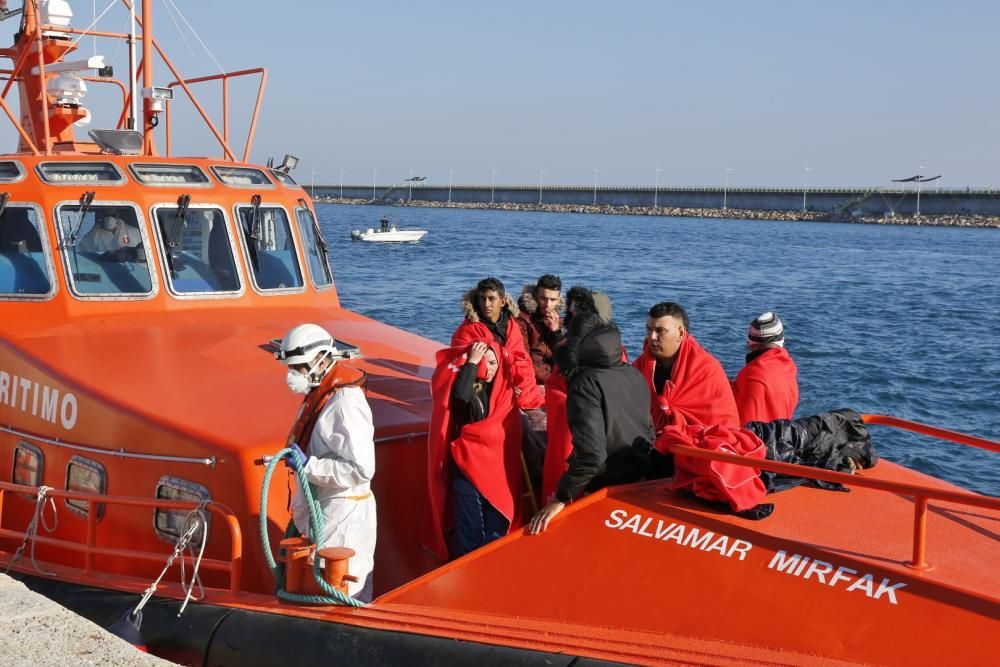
(297, 382)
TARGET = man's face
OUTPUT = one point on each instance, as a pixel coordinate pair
(664, 336)
(490, 304)
(547, 299)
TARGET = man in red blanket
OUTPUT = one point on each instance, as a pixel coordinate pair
(688, 384)
(693, 406)
(767, 388)
(489, 314)
(474, 451)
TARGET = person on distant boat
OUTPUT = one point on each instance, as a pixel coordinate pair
(474, 451)
(489, 314)
(540, 322)
(606, 411)
(767, 388)
(384, 223)
(333, 442)
(107, 236)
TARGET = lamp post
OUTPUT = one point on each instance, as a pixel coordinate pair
(596, 172)
(805, 186)
(541, 173)
(451, 172)
(493, 185)
(312, 184)
(341, 183)
(919, 178)
(374, 173)
(656, 189)
(725, 191)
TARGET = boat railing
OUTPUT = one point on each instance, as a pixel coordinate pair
(91, 550)
(922, 494)
(224, 77)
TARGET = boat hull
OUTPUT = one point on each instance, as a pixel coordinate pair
(221, 636)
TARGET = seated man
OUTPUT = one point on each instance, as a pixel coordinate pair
(540, 323)
(107, 236)
(688, 384)
(767, 388)
(489, 314)
(606, 411)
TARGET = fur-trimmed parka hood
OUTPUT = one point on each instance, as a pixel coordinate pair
(472, 315)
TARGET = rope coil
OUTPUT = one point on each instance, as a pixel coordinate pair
(333, 595)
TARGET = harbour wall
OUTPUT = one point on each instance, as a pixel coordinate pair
(845, 201)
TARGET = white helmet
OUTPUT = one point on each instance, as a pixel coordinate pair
(307, 344)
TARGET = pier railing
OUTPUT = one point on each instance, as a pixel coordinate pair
(233, 567)
(920, 493)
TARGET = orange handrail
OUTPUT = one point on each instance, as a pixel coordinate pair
(225, 77)
(234, 566)
(921, 493)
(932, 431)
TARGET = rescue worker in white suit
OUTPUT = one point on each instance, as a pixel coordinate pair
(334, 428)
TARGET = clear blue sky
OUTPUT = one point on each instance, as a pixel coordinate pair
(860, 91)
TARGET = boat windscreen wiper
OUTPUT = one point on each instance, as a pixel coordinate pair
(316, 230)
(4, 196)
(174, 238)
(86, 199)
(253, 231)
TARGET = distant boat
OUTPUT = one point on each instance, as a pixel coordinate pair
(388, 234)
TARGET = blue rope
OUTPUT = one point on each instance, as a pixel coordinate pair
(333, 595)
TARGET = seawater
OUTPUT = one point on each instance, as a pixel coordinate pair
(885, 319)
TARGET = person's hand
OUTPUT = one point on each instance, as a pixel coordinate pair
(517, 392)
(541, 520)
(477, 352)
(551, 320)
(297, 459)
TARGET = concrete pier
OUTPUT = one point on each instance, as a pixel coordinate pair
(37, 632)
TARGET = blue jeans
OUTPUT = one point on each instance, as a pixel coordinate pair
(476, 521)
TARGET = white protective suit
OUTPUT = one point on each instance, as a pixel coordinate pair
(340, 468)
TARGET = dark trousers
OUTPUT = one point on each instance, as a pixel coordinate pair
(476, 521)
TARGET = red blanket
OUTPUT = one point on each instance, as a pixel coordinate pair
(560, 441)
(738, 485)
(698, 391)
(516, 363)
(767, 388)
(488, 452)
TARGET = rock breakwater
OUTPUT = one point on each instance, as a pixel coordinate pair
(951, 220)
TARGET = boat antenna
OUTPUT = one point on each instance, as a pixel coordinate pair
(174, 240)
(86, 199)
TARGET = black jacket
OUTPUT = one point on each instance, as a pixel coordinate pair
(468, 405)
(607, 407)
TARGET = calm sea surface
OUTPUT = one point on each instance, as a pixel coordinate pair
(893, 320)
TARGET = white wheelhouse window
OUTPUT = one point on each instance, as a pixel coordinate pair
(104, 247)
(269, 248)
(11, 171)
(197, 252)
(80, 173)
(26, 269)
(314, 247)
(241, 177)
